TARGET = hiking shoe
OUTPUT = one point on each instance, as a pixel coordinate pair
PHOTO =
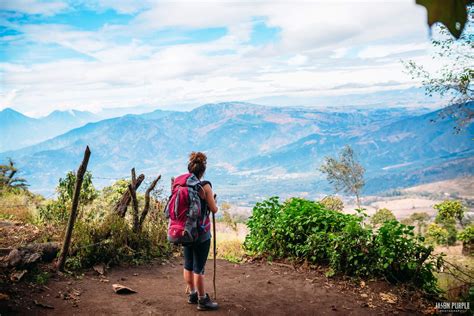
(193, 298)
(206, 304)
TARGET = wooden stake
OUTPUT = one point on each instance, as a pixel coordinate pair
(122, 205)
(133, 194)
(75, 203)
(215, 252)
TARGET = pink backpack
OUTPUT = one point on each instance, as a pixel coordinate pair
(184, 210)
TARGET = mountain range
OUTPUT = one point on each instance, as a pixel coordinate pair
(255, 151)
(19, 130)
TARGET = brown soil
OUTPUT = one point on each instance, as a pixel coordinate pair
(242, 289)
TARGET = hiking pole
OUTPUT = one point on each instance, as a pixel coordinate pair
(214, 250)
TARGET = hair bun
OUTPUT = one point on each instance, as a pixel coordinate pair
(197, 163)
(197, 157)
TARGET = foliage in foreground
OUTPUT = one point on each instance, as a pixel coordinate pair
(100, 235)
(302, 229)
(112, 241)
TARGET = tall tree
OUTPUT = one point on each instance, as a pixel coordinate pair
(345, 173)
(421, 219)
(454, 75)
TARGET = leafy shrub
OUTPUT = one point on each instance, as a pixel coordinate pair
(111, 240)
(381, 216)
(436, 235)
(53, 212)
(65, 188)
(306, 230)
(332, 203)
(400, 256)
(262, 224)
(57, 211)
(449, 210)
(467, 235)
(99, 234)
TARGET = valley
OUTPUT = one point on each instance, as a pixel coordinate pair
(258, 151)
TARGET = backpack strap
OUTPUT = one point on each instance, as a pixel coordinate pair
(203, 183)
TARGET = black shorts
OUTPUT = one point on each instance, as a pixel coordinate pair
(195, 256)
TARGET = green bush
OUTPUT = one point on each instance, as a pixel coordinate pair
(101, 236)
(262, 226)
(467, 235)
(306, 230)
(53, 212)
(381, 216)
(436, 235)
(111, 240)
(332, 203)
(450, 210)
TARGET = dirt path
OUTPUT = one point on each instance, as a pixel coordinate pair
(243, 289)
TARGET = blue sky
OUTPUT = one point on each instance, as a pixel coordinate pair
(91, 55)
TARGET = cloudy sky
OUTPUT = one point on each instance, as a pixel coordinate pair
(91, 55)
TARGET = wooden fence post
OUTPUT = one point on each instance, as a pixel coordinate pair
(122, 205)
(75, 203)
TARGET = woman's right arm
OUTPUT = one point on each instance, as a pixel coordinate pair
(211, 202)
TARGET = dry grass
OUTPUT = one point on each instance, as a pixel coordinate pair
(452, 281)
(463, 186)
(229, 242)
(20, 207)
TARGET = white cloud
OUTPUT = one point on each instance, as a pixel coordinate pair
(377, 51)
(297, 60)
(311, 56)
(34, 6)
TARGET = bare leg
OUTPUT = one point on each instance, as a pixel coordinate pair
(188, 278)
(199, 283)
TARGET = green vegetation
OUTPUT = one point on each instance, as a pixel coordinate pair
(421, 219)
(111, 240)
(436, 234)
(57, 211)
(100, 235)
(467, 238)
(306, 230)
(449, 211)
(467, 235)
(381, 216)
(332, 203)
(8, 179)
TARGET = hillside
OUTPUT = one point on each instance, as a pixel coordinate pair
(279, 149)
(19, 130)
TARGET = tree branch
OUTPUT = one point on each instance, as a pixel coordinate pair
(121, 207)
(133, 195)
(147, 201)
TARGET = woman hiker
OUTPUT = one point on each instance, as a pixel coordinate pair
(195, 254)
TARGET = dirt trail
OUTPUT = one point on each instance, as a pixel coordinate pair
(243, 289)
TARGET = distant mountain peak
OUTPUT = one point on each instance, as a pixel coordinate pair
(9, 113)
(71, 114)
